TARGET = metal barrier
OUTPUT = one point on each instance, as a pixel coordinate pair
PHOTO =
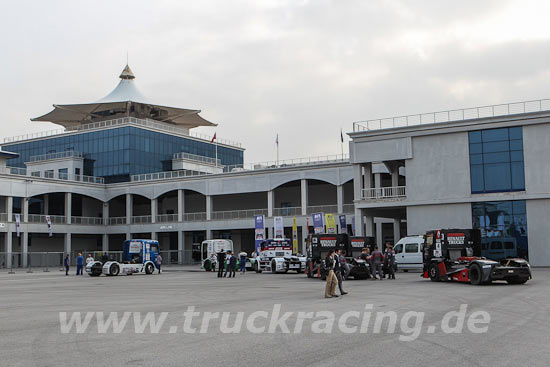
(322, 209)
(287, 212)
(384, 193)
(238, 214)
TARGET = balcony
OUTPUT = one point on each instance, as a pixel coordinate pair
(194, 217)
(384, 193)
(238, 214)
(57, 155)
(87, 221)
(167, 218)
(141, 219)
(287, 212)
(322, 209)
(40, 218)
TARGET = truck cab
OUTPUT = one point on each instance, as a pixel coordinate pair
(276, 255)
(138, 256)
(209, 251)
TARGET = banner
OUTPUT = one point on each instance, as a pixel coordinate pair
(294, 236)
(49, 222)
(318, 226)
(18, 224)
(259, 232)
(279, 229)
(331, 223)
(353, 226)
(343, 224)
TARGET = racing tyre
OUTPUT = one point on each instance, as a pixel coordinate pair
(149, 268)
(273, 266)
(433, 272)
(114, 269)
(96, 270)
(207, 265)
(475, 274)
(257, 267)
(516, 281)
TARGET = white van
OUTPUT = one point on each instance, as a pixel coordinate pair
(408, 253)
(209, 249)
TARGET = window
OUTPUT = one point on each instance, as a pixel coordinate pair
(496, 160)
(35, 174)
(398, 248)
(411, 248)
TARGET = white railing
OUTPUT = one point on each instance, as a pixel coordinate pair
(17, 171)
(141, 219)
(13, 171)
(40, 218)
(384, 193)
(88, 221)
(238, 214)
(89, 179)
(157, 125)
(287, 212)
(58, 155)
(322, 209)
(167, 218)
(116, 220)
(194, 217)
(454, 115)
(338, 158)
(197, 158)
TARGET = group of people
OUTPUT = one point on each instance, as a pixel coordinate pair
(338, 269)
(79, 263)
(229, 259)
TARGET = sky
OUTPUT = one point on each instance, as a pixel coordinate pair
(301, 69)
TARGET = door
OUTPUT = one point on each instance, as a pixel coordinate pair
(412, 255)
(399, 256)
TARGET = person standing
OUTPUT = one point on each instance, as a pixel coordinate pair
(344, 264)
(338, 269)
(158, 260)
(242, 262)
(332, 281)
(376, 263)
(79, 264)
(389, 261)
(232, 265)
(67, 263)
(89, 259)
(365, 255)
(221, 260)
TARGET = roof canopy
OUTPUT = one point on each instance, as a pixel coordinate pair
(124, 100)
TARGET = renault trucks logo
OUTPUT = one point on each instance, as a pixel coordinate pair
(328, 242)
(357, 243)
(456, 238)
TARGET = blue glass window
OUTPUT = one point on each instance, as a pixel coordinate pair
(496, 160)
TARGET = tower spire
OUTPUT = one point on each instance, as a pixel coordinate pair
(127, 73)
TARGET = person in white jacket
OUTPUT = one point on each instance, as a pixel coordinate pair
(89, 259)
(242, 262)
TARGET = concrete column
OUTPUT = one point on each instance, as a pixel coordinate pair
(369, 224)
(181, 204)
(9, 208)
(106, 213)
(357, 181)
(181, 246)
(304, 196)
(359, 224)
(25, 248)
(367, 180)
(208, 234)
(128, 236)
(154, 210)
(270, 201)
(396, 230)
(67, 244)
(379, 234)
(129, 208)
(377, 180)
(209, 207)
(46, 204)
(154, 236)
(8, 243)
(25, 209)
(68, 207)
(395, 175)
(340, 198)
(105, 243)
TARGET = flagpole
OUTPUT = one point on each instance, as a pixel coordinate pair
(216, 152)
(342, 142)
(277, 143)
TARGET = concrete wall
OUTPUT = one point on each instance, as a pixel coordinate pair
(253, 200)
(536, 151)
(422, 218)
(320, 193)
(440, 167)
(380, 150)
(538, 212)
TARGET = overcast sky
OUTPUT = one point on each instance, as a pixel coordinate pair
(302, 69)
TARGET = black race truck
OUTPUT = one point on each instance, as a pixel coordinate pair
(455, 255)
(320, 244)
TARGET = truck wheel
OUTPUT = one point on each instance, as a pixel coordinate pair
(207, 265)
(516, 281)
(257, 267)
(475, 274)
(149, 268)
(114, 269)
(273, 266)
(433, 272)
(96, 270)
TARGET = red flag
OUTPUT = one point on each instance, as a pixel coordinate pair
(213, 138)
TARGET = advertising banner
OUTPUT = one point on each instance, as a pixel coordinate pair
(18, 224)
(318, 226)
(279, 229)
(294, 236)
(49, 223)
(259, 231)
(343, 224)
(331, 223)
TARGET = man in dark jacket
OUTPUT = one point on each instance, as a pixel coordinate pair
(389, 261)
(231, 264)
(338, 269)
(376, 263)
(221, 260)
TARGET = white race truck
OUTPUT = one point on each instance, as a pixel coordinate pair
(276, 255)
(138, 256)
(209, 250)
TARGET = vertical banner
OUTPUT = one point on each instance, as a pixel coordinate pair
(331, 223)
(49, 222)
(294, 236)
(353, 225)
(318, 226)
(18, 224)
(343, 224)
(279, 229)
(259, 231)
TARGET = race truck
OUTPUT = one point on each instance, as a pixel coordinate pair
(210, 249)
(455, 255)
(276, 255)
(320, 244)
(138, 256)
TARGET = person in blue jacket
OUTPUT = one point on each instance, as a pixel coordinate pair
(66, 263)
(79, 264)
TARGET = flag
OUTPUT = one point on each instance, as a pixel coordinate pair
(213, 138)
(277, 140)
(341, 136)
